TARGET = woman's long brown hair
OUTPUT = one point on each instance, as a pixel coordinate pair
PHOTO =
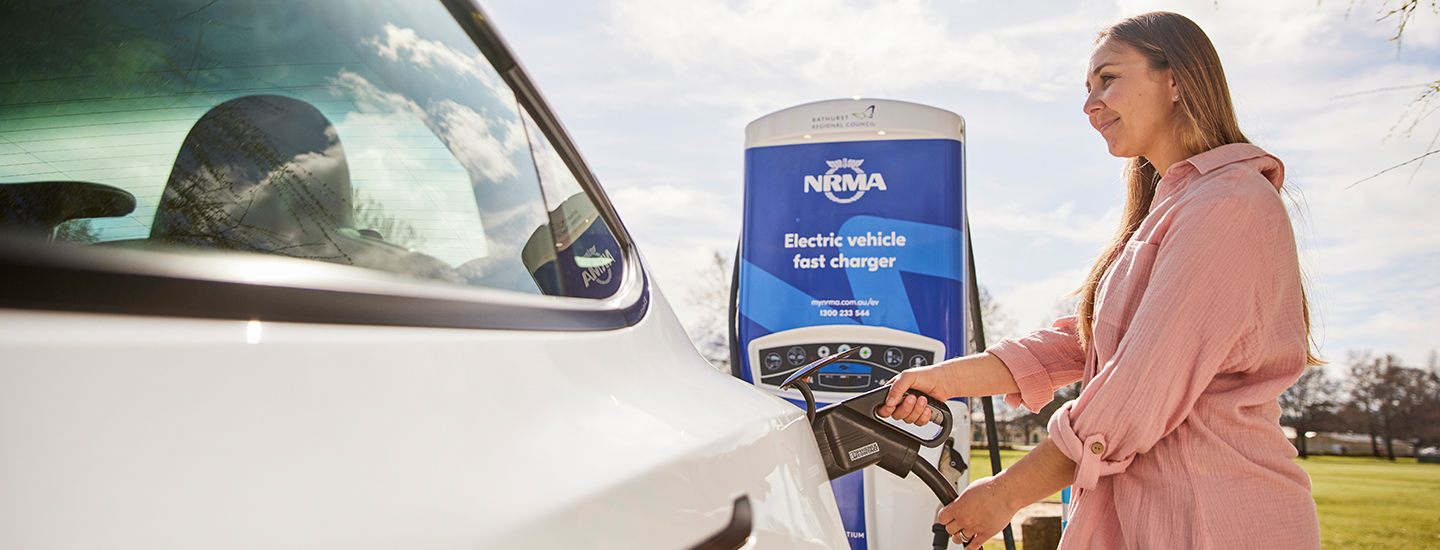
(1204, 120)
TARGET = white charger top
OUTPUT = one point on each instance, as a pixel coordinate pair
(859, 119)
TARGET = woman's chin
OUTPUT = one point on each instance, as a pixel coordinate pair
(1116, 150)
(1120, 149)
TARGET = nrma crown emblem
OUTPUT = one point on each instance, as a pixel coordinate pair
(855, 183)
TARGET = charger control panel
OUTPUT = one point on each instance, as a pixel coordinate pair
(883, 354)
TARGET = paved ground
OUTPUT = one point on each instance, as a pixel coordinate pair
(1042, 508)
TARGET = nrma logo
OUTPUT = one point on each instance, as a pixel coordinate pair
(596, 266)
(856, 182)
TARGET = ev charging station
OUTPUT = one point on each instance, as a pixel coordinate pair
(853, 237)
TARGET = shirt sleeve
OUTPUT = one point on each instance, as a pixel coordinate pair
(1042, 362)
(1201, 299)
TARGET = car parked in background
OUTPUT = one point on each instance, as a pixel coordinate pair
(331, 274)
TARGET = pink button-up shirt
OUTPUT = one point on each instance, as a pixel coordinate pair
(1198, 329)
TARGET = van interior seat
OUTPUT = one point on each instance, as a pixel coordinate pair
(267, 174)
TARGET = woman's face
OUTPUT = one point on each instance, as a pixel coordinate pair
(1130, 104)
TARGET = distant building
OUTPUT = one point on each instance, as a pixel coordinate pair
(1348, 444)
(1012, 433)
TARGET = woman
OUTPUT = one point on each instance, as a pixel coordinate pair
(1191, 324)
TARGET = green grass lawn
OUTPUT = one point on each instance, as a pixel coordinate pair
(1371, 503)
(1363, 502)
(980, 461)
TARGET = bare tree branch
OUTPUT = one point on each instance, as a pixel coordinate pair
(1377, 174)
(1418, 109)
(1380, 90)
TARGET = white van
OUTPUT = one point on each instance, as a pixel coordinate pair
(330, 274)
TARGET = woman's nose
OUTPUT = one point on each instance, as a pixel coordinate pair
(1093, 103)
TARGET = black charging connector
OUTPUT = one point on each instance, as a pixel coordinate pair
(851, 436)
(942, 537)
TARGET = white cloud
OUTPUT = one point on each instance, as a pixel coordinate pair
(471, 137)
(1037, 301)
(451, 228)
(883, 46)
(484, 145)
(401, 43)
(1062, 223)
(666, 205)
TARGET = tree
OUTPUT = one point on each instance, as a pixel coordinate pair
(77, 232)
(371, 214)
(1306, 403)
(1364, 387)
(1398, 402)
(998, 324)
(1429, 419)
(1405, 411)
(1417, 405)
(711, 295)
(1028, 421)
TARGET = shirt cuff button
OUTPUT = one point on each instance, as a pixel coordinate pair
(1097, 447)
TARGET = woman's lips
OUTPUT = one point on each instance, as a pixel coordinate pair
(1106, 124)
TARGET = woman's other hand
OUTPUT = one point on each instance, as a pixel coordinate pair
(989, 503)
(980, 513)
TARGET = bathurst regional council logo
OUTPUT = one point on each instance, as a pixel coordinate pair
(855, 183)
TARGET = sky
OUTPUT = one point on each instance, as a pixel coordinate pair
(657, 93)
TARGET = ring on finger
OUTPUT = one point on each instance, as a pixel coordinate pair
(964, 540)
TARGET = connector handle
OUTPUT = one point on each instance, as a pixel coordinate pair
(869, 402)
